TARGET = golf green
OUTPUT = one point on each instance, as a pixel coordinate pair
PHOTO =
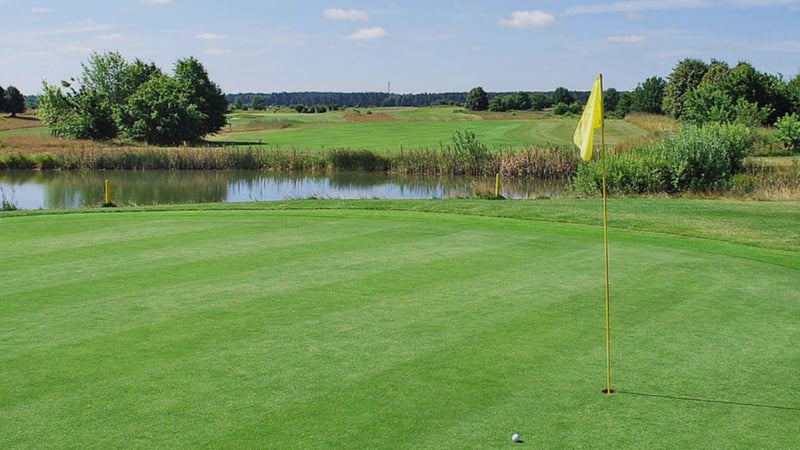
(391, 327)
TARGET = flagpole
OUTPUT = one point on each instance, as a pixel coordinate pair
(608, 389)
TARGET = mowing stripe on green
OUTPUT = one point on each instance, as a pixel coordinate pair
(384, 328)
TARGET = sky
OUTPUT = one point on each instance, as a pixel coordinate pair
(405, 46)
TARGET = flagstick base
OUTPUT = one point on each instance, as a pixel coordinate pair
(611, 392)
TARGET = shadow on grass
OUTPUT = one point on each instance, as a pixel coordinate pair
(705, 400)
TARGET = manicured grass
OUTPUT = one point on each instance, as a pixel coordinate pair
(27, 131)
(407, 324)
(387, 129)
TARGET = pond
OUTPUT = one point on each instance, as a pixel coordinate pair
(56, 190)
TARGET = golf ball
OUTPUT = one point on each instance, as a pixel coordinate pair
(515, 437)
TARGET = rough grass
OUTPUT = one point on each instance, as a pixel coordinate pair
(401, 324)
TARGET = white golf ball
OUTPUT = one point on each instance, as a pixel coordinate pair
(515, 437)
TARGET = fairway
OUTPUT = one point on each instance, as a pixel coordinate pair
(389, 129)
(407, 324)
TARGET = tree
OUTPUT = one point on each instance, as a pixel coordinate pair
(80, 114)
(708, 103)
(102, 74)
(160, 112)
(561, 95)
(610, 100)
(793, 92)
(14, 101)
(201, 91)
(624, 105)
(238, 104)
(716, 73)
(686, 76)
(560, 108)
(789, 131)
(113, 96)
(477, 100)
(522, 101)
(496, 104)
(648, 96)
(539, 101)
(258, 103)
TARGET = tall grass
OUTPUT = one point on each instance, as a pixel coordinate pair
(766, 182)
(657, 123)
(466, 157)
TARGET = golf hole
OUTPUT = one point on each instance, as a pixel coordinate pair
(609, 391)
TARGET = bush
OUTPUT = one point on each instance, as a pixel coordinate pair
(560, 109)
(698, 158)
(788, 132)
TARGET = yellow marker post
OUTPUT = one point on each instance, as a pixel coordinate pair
(108, 193)
(497, 186)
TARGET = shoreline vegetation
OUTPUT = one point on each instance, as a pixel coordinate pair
(656, 160)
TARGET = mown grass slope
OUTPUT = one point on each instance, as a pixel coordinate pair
(411, 324)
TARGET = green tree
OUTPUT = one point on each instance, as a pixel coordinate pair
(102, 74)
(496, 104)
(624, 105)
(716, 73)
(2, 100)
(648, 96)
(793, 93)
(522, 101)
(160, 112)
(258, 103)
(788, 131)
(539, 101)
(685, 77)
(477, 100)
(561, 95)
(238, 104)
(708, 103)
(202, 92)
(610, 100)
(114, 96)
(560, 108)
(14, 101)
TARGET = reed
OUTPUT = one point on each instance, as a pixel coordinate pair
(767, 182)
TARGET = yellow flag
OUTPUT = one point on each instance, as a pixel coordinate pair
(591, 119)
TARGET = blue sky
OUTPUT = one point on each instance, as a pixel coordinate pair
(417, 46)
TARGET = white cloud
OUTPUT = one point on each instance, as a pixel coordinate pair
(74, 49)
(629, 39)
(528, 19)
(637, 6)
(367, 34)
(217, 51)
(351, 15)
(209, 36)
(111, 37)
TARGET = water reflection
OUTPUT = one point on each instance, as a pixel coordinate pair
(50, 190)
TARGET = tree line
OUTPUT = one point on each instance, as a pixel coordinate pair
(338, 100)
